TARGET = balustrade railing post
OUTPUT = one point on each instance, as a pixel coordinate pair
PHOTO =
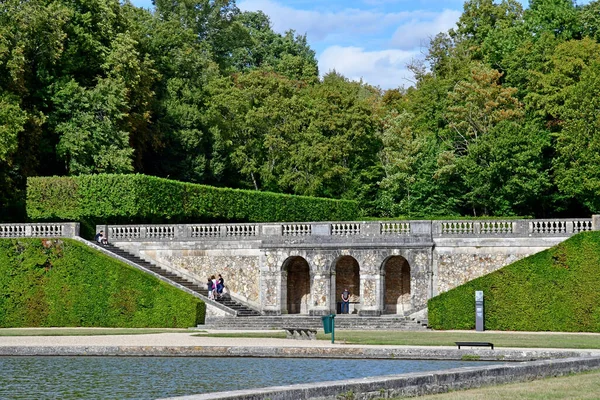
(321, 229)
(436, 228)
(422, 228)
(271, 230)
(521, 227)
(569, 227)
(181, 232)
(72, 229)
(596, 222)
(371, 229)
(223, 230)
(28, 231)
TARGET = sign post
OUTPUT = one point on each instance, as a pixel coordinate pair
(479, 311)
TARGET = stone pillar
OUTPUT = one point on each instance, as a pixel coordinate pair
(270, 293)
(320, 293)
(421, 274)
(370, 295)
(320, 283)
(71, 229)
(271, 283)
(371, 288)
(596, 222)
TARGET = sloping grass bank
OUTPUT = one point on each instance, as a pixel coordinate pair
(554, 290)
(63, 283)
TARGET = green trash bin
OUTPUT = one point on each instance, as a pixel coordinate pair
(328, 322)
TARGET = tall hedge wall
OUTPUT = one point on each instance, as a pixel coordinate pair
(65, 283)
(140, 198)
(554, 290)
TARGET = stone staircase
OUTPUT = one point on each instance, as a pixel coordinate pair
(240, 309)
(349, 322)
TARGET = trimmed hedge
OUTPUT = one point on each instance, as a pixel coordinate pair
(110, 198)
(65, 283)
(555, 290)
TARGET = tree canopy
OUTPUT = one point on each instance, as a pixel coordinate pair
(502, 119)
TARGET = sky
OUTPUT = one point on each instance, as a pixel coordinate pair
(372, 40)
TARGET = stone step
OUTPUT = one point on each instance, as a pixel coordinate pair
(240, 309)
(341, 322)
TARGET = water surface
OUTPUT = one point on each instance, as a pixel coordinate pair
(155, 377)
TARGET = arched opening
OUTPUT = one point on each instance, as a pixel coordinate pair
(396, 299)
(298, 285)
(347, 276)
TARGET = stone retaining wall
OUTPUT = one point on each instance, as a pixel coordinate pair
(412, 384)
(391, 267)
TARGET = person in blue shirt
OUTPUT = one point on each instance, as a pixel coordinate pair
(345, 301)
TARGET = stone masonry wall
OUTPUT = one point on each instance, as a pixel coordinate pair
(456, 266)
(240, 273)
(239, 267)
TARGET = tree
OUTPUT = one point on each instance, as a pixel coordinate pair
(559, 17)
(483, 22)
(578, 142)
(501, 166)
(255, 116)
(333, 153)
(409, 160)
(214, 22)
(478, 104)
(590, 20)
(91, 140)
(287, 54)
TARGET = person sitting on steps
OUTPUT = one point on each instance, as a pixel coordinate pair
(100, 239)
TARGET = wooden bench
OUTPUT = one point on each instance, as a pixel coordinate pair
(475, 344)
(300, 333)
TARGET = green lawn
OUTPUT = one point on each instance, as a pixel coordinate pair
(444, 338)
(581, 386)
(83, 331)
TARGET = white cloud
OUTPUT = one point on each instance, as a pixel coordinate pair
(367, 43)
(417, 33)
(319, 25)
(386, 68)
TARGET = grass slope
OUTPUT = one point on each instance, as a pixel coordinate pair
(555, 290)
(63, 283)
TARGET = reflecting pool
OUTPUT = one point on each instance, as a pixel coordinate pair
(156, 377)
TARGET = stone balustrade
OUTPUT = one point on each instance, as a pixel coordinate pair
(39, 230)
(371, 229)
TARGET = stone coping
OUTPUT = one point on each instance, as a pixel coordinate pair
(412, 384)
(408, 353)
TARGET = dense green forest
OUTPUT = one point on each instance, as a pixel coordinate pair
(502, 119)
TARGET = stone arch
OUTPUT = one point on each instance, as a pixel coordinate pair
(396, 282)
(297, 277)
(347, 275)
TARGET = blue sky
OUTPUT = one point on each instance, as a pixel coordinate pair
(372, 40)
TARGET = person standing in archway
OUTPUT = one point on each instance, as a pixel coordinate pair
(345, 301)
